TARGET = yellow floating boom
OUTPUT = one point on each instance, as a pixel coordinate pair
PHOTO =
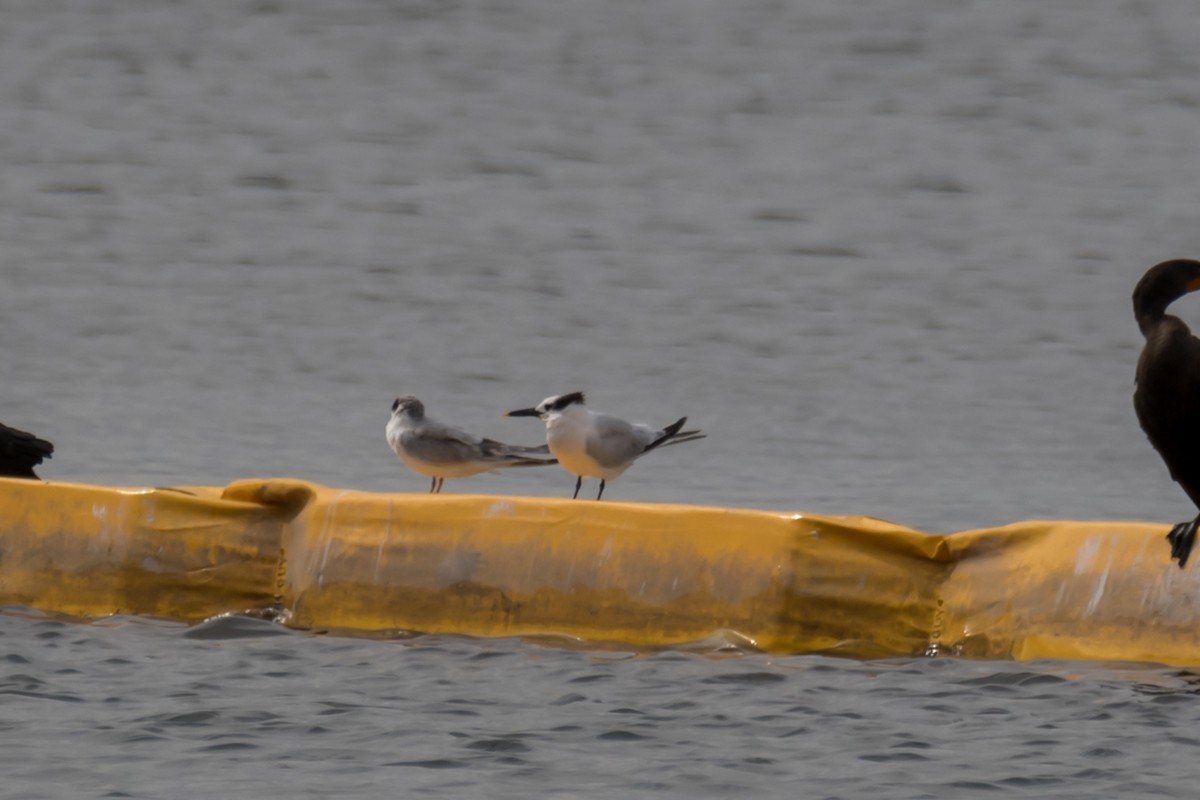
(635, 573)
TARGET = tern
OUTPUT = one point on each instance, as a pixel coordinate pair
(20, 452)
(589, 444)
(443, 451)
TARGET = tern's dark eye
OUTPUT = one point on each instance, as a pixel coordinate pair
(396, 404)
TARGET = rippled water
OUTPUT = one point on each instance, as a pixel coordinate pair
(881, 252)
(238, 707)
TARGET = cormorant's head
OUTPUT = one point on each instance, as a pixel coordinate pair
(1162, 285)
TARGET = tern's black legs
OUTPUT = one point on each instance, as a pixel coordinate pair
(1182, 537)
(579, 484)
(435, 487)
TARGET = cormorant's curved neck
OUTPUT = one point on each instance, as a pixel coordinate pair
(1162, 285)
(1150, 318)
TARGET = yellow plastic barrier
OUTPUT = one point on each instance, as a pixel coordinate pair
(640, 574)
(636, 573)
(91, 551)
(1082, 590)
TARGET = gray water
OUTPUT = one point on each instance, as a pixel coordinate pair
(242, 709)
(881, 252)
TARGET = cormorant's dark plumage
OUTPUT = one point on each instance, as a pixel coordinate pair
(1167, 398)
(20, 452)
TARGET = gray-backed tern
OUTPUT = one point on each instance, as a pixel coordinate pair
(589, 444)
(442, 451)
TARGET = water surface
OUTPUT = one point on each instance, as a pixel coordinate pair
(131, 708)
(881, 252)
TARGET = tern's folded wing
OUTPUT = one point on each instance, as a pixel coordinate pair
(441, 445)
(614, 442)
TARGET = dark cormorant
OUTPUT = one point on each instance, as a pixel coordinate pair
(1167, 398)
(20, 452)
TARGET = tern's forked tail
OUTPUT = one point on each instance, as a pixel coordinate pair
(672, 435)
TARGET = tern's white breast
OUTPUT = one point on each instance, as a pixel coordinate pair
(567, 436)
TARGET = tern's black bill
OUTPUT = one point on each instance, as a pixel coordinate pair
(523, 412)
